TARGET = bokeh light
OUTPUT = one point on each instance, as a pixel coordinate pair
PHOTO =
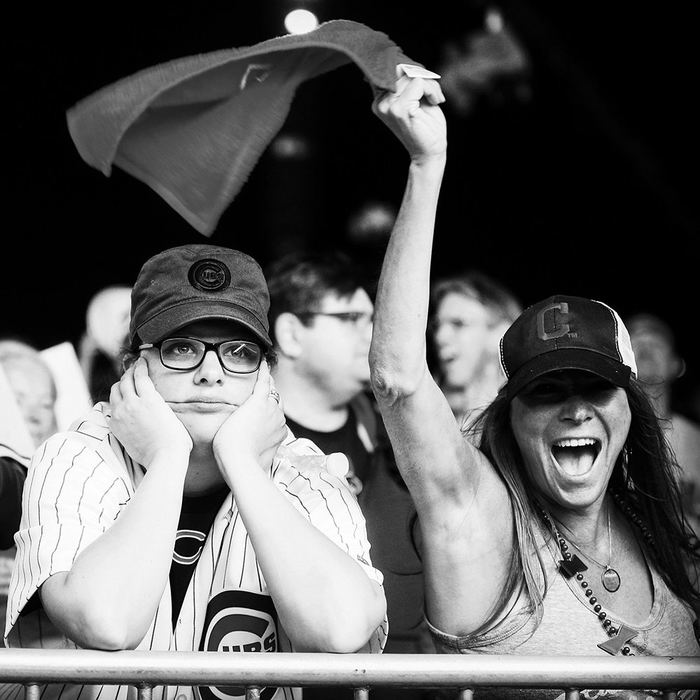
(300, 21)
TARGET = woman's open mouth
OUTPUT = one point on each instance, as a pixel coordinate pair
(576, 456)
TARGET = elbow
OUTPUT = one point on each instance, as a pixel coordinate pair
(342, 637)
(351, 635)
(391, 385)
(91, 621)
(101, 630)
(346, 630)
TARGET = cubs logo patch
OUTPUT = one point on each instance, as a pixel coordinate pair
(238, 621)
(209, 275)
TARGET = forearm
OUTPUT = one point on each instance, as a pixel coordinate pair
(398, 354)
(325, 600)
(108, 598)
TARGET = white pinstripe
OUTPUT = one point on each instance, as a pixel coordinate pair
(77, 484)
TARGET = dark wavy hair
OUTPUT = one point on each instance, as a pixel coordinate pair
(644, 481)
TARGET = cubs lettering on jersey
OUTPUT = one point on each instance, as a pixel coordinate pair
(239, 621)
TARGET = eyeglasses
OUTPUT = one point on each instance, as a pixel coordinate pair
(237, 356)
(354, 317)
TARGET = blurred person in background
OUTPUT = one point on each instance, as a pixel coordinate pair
(471, 311)
(321, 324)
(659, 368)
(104, 338)
(33, 387)
(33, 390)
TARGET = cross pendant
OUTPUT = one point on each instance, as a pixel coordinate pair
(614, 644)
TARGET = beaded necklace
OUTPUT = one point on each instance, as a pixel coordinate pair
(609, 578)
(569, 566)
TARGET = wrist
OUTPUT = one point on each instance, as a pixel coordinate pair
(229, 458)
(170, 455)
(239, 469)
(433, 162)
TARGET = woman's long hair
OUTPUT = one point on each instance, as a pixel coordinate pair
(645, 479)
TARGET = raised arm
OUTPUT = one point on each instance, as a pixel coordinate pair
(419, 420)
(454, 487)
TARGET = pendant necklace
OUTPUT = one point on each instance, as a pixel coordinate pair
(609, 578)
(570, 566)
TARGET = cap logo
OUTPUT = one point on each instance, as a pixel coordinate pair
(551, 325)
(209, 275)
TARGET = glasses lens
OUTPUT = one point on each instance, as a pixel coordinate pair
(181, 353)
(241, 356)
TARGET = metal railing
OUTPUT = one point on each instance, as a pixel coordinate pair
(466, 673)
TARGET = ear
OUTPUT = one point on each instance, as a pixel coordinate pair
(679, 367)
(288, 332)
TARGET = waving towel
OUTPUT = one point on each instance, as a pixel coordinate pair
(194, 128)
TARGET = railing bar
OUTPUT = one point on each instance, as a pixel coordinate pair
(252, 692)
(38, 667)
(31, 691)
(466, 694)
(572, 694)
(361, 693)
(145, 692)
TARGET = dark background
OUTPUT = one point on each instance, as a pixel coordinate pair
(577, 176)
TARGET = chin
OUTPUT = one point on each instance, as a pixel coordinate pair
(202, 427)
(454, 383)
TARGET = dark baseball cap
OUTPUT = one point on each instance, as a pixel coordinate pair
(566, 332)
(196, 282)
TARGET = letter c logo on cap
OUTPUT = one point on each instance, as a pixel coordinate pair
(551, 325)
(209, 275)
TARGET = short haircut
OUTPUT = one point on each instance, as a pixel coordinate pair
(300, 281)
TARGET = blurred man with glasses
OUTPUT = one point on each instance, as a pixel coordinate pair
(183, 514)
(321, 325)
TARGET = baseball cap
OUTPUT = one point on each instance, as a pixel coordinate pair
(194, 282)
(566, 332)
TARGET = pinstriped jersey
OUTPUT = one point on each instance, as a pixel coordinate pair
(77, 485)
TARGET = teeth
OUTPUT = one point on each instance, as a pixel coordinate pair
(575, 442)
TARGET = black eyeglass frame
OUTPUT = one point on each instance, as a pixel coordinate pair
(216, 347)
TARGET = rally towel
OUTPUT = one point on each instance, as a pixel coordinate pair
(194, 128)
